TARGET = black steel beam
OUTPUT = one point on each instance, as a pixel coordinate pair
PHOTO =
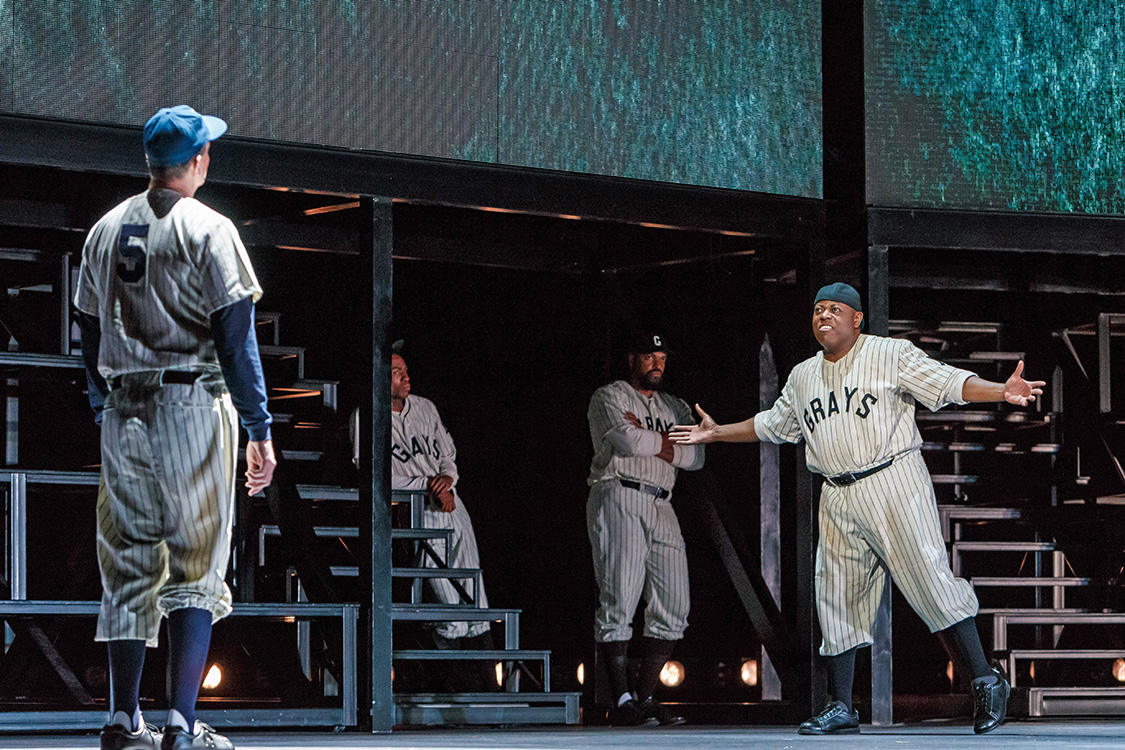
(995, 230)
(246, 162)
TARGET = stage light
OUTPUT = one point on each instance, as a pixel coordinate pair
(1119, 670)
(582, 673)
(1031, 670)
(949, 671)
(672, 674)
(749, 672)
(214, 677)
(499, 674)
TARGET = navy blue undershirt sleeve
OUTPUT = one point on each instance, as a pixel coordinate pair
(96, 386)
(236, 344)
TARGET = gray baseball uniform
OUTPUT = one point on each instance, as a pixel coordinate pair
(153, 271)
(854, 415)
(421, 448)
(637, 545)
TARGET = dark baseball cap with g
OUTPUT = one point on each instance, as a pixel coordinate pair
(644, 342)
(176, 134)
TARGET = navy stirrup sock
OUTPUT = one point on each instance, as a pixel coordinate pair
(126, 662)
(841, 675)
(189, 639)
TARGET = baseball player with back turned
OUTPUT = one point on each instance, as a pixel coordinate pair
(853, 404)
(637, 546)
(165, 302)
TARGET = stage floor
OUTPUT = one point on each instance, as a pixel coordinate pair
(1074, 735)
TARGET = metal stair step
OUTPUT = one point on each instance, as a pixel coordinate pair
(967, 416)
(285, 352)
(1075, 701)
(1060, 618)
(435, 572)
(327, 492)
(487, 708)
(444, 654)
(1066, 653)
(1033, 581)
(448, 612)
(976, 513)
(1005, 546)
(421, 534)
(1030, 610)
(1010, 448)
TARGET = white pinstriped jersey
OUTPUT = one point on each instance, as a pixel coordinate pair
(623, 450)
(154, 282)
(859, 411)
(421, 447)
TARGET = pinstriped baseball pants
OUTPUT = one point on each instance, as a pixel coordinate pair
(462, 554)
(165, 505)
(884, 524)
(638, 551)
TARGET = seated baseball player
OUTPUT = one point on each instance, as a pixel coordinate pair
(853, 406)
(638, 549)
(423, 457)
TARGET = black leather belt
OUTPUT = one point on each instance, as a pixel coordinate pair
(183, 377)
(658, 492)
(848, 478)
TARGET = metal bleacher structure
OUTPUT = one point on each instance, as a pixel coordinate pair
(316, 641)
(1010, 487)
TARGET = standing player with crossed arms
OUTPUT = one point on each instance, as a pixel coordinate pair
(853, 405)
(165, 302)
(637, 546)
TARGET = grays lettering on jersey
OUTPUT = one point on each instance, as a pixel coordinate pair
(164, 277)
(421, 448)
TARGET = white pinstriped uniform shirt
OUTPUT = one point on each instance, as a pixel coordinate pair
(154, 282)
(421, 447)
(859, 411)
(624, 451)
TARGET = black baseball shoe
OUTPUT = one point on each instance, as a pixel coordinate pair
(630, 714)
(117, 737)
(661, 713)
(205, 737)
(990, 703)
(834, 719)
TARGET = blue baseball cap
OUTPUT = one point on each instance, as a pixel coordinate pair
(841, 292)
(176, 134)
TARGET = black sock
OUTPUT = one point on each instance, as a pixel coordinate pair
(656, 652)
(126, 662)
(616, 657)
(841, 675)
(189, 639)
(962, 642)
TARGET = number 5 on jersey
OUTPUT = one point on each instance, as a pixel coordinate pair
(131, 246)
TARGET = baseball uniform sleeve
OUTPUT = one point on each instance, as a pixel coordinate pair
(86, 295)
(447, 461)
(236, 346)
(933, 384)
(403, 482)
(608, 424)
(226, 273)
(779, 423)
(686, 457)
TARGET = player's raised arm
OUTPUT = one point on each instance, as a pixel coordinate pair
(707, 431)
(1015, 390)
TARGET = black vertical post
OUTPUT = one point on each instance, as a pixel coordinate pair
(810, 277)
(377, 234)
(882, 672)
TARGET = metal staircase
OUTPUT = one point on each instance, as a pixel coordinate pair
(1003, 502)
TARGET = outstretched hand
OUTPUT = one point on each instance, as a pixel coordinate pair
(691, 434)
(1019, 391)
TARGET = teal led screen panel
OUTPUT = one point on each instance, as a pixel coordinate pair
(996, 104)
(721, 93)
